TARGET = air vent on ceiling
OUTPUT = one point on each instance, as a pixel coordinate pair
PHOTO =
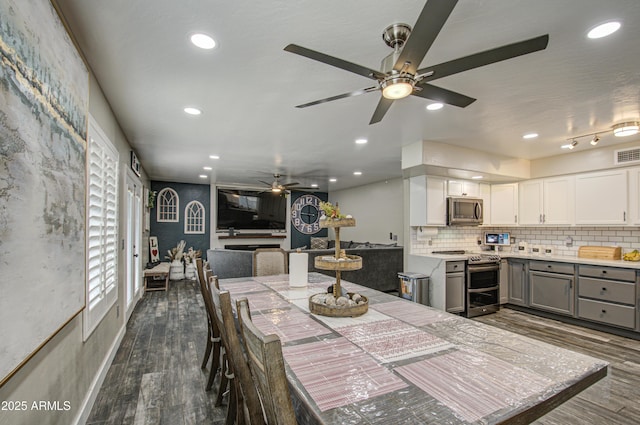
(625, 156)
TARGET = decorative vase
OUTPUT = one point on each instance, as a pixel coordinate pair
(176, 271)
(190, 271)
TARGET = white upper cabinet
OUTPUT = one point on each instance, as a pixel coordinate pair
(463, 188)
(485, 195)
(427, 201)
(530, 204)
(634, 196)
(601, 198)
(504, 204)
(559, 200)
(547, 201)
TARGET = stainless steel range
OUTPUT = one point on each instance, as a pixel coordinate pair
(482, 282)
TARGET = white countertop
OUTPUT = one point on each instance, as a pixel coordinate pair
(559, 258)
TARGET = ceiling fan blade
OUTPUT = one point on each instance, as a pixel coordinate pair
(340, 96)
(262, 181)
(333, 61)
(443, 95)
(383, 106)
(431, 20)
(288, 185)
(486, 57)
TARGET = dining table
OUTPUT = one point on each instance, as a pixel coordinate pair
(406, 363)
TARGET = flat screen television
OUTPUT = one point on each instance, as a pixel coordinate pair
(250, 209)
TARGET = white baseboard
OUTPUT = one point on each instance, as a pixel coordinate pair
(87, 404)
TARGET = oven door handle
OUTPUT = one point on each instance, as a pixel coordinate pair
(482, 268)
(491, 288)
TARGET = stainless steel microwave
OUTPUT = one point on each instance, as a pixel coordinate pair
(464, 211)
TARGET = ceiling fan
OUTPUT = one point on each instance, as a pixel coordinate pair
(276, 187)
(400, 76)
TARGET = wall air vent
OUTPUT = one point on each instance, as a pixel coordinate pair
(626, 156)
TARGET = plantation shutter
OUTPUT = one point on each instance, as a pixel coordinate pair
(102, 228)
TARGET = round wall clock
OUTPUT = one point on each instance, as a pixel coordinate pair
(305, 214)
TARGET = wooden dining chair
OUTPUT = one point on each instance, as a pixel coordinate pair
(266, 363)
(213, 333)
(244, 402)
(270, 261)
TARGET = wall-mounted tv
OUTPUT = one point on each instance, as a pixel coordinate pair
(250, 209)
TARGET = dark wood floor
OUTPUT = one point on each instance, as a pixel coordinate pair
(156, 377)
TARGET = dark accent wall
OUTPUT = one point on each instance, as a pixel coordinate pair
(170, 234)
(300, 239)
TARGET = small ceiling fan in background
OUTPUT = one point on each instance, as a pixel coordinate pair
(277, 187)
(400, 76)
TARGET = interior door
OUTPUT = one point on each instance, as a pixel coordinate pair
(133, 242)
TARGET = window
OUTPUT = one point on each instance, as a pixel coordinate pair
(102, 228)
(168, 202)
(194, 217)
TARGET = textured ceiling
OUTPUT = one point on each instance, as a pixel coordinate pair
(248, 87)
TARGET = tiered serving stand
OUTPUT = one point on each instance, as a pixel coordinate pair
(339, 262)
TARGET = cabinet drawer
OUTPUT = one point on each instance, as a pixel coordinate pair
(613, 273)
(551, 267)
(607, 290)
(613, 314)
(455, 266)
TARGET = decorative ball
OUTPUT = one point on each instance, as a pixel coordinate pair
(342, 301)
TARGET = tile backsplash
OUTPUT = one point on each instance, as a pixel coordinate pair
(467, 237)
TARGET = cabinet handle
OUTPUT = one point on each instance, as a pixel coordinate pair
(544, 218)
(515, 218)
(604, 311)
(540, 219)
(604, 272)
(624, 216)
(604, 289)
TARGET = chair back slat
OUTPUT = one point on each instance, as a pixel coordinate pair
(267, 367)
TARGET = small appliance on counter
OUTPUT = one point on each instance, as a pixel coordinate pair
(497, 240)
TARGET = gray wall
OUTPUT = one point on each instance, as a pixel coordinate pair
(64, 369)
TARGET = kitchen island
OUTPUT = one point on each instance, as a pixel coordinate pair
(402, 362)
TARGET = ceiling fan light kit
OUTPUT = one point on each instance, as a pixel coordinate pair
(400, 77)
(397, 87)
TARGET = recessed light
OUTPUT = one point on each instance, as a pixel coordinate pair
(203, 176)
(361, 141)
(357, 173)
(477, 177)
(207, 168)
(530, 136)
(192, 111)
(203, 41)
(434, 106)
(214, 157)
(314, 184)
(333, 180)
(604, 30)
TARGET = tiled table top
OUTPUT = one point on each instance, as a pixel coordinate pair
(403, 362)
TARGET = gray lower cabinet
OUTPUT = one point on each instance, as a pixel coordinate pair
(518, 282)
(455, 286)
(607, 295)
(551, 291)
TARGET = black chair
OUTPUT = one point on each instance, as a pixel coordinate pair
(213, 333)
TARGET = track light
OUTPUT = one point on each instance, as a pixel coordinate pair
(595, 140)
(571, 145)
